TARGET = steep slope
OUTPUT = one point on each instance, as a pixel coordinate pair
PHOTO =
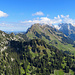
(51, 36)
(35, 57)
(5, 38)
(68, 29)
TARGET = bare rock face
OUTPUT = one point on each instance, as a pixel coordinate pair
(6, 38)
(68, 30)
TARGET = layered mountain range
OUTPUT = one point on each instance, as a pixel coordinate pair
(51, 36)
(67, 29)
(40, 50)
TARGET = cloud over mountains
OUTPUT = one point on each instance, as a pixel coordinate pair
(39, 18)
(46, 20)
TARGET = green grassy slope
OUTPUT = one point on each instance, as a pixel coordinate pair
(51, 36)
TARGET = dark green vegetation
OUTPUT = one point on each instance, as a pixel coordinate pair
(35, 57)
(28, 54)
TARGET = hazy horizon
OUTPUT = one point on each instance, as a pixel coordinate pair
(18, 15)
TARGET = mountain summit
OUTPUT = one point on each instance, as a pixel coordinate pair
(37, 52)
(67, 29)
(50, 35)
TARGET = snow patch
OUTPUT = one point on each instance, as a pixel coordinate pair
(57, 27)
(68, 27)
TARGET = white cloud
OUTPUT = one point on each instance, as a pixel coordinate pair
(62, 16)
(2, 14)
(67, 19)
(23, 25)
(57, 17)
(38, 13)
(15, 26)
(55, 21)
(44, 20)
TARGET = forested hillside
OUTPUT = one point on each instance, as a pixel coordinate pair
(35, 57)
(41, 50)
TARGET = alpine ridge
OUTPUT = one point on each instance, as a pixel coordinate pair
(67, 29)
(51, 36)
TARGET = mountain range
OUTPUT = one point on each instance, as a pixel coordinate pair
(51, 36)
(41, 50)
(67, 29)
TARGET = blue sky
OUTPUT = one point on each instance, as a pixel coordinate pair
(18, 15)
